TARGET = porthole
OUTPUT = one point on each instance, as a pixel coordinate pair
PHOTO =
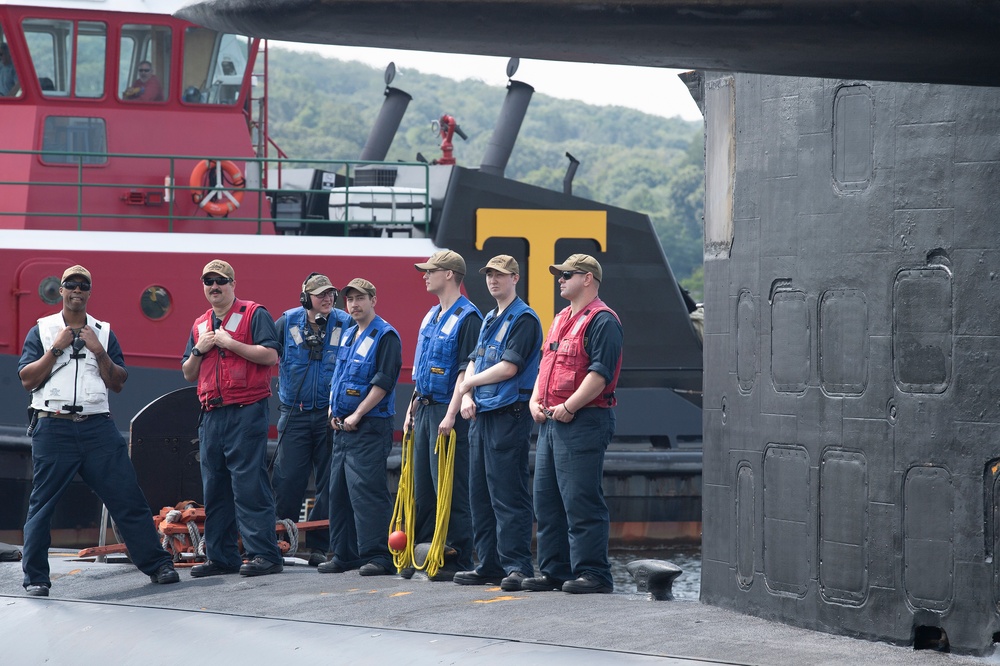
(155, 302)
(48, 290)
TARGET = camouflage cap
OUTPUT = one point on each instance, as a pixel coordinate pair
(317, 284)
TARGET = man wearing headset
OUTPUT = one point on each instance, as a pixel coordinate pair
(310, 336)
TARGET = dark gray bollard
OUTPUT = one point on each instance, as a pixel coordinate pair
(654, 576)
(446, 572)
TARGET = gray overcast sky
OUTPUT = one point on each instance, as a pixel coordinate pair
(652, 90)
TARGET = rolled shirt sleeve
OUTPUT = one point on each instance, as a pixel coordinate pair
(388, 361)
(603, 344)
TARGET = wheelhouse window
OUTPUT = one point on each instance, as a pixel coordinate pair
(214, 66)
(50, 43)
(74, 140)
(91, 48)
(52, 47)
(144, 63)
(10, 83)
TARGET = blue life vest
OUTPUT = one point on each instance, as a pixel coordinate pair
(436, 364)
(356, 366)
(493, 337)
(303, 382)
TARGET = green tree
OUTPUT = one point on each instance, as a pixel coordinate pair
(321, 107)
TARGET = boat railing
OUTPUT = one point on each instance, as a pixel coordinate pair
(332, 197)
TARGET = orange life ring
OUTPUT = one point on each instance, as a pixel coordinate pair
(217, 201)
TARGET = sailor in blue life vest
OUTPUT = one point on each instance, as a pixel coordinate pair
(362, 404)
(230, 353)
(573, 400)
(69, 361)
(310, 338)
(447, 338)
(496, 389)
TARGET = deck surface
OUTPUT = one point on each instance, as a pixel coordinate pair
(366, 620)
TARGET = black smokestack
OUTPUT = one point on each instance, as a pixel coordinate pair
(386, 125)
(515, 105)
(570, 173)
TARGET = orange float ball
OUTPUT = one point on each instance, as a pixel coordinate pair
(397, 540)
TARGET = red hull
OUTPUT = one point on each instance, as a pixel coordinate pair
(269, 270)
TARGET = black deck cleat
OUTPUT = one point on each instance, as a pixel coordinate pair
(655, 577)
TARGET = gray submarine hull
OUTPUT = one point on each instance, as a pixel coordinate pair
(851, 345)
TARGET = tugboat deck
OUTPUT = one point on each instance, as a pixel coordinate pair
(108, 612)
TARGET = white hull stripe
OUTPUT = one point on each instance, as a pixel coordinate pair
(181, 243)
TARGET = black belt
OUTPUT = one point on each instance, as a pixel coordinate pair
(208, 407)
(427, 401)
(71, 417)
(514, 406)
(295, 408)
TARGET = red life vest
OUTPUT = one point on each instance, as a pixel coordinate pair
(565, 362)
(225, 377)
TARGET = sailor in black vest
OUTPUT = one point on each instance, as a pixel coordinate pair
(69, 361)
(310, 336)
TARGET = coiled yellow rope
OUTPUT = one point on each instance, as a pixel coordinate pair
(405, 510)
(445, 450)
(404, 513)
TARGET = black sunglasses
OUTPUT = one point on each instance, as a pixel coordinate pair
(144, 71)
(73, 285)
(209, 281)
(568, 275)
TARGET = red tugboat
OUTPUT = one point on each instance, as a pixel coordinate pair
(136, 144)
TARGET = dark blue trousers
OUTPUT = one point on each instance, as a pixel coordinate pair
(425, 482)
(304, 447)
(238, 497)
(360, 503)
(573, 520)
(61, 448)
(498, 485)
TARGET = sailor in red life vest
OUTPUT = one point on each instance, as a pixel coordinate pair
(230, 353)
(69, 362)
(572, 400)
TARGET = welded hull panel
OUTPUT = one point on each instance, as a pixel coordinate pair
(843, 537)
(843, 343)
(865, 212)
